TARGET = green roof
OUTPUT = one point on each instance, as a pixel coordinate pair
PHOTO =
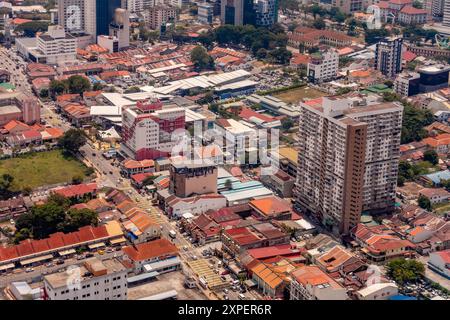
(7, 86)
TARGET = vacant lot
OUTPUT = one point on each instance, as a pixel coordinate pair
(297, 94)
(41, 168)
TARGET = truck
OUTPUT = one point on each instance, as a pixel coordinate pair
(172, 234)
(203, 283)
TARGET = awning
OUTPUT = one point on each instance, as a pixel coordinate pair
(7, 266)
(118, 240)
(96, 245)
(66, 252)
(159, 265)
(37, 259)
(142, 276)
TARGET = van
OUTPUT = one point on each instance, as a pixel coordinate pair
(241, 296)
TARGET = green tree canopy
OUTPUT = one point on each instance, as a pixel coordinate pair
(72, 140)
(78, 84)
(404, 271)
(201, 59)
(424, 203)
(431, 156)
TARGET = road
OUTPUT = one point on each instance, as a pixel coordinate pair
(107, 175)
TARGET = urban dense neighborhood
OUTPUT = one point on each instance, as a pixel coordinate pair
(224, 150)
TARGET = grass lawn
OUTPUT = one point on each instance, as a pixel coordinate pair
(442, 208)
(297, 94)
(41, 168)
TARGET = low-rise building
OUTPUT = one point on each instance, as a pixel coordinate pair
(94, 280)
(378, 291)
(440, 263)
(149, 252)
(311, 283)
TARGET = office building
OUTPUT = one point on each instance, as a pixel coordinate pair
(232, 12)
(147, 129)
(205, 12)
(266, 12)
(94, 280)
(347, 160)
(436, 9)
(323, 66)
(427, 79)
(105, 11)
(120, 28)
(388, 57)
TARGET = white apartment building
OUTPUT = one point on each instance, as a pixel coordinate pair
(237, 140)
(446, 12)
(56, 46)
(402, 84)
(147, 129)
(94, 280)
(347, 160)
(323, 66)
(311, 283)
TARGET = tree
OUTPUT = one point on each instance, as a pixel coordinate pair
(43, 93)
(431, 156)
(6, 182)
(417, 4)
(31, 28)
(319, 24)
(424, 203)
(78, 84)
(280, 55)
(97, 86)
(72, 140)
(58, 87)
(133, 89)
(77, 179)
(52, 216)
(287, 123)
(414, 121)
(149, 180)
(201, 59)
(80, 218)
(404, 271)
(228, 184)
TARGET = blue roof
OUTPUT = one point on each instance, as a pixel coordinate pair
(400, 297)
(436, 177)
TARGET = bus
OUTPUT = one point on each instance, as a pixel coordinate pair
(172, 234)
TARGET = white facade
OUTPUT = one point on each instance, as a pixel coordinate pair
(108, 42)
(96, 280)
(56, 46)
(314, 284)
(440, 262)
(78, 16)
(378, 291)
(324, 68)
(199, 206)
(142, 132)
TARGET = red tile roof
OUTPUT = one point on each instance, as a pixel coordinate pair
(76, 190)
(153, 249)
